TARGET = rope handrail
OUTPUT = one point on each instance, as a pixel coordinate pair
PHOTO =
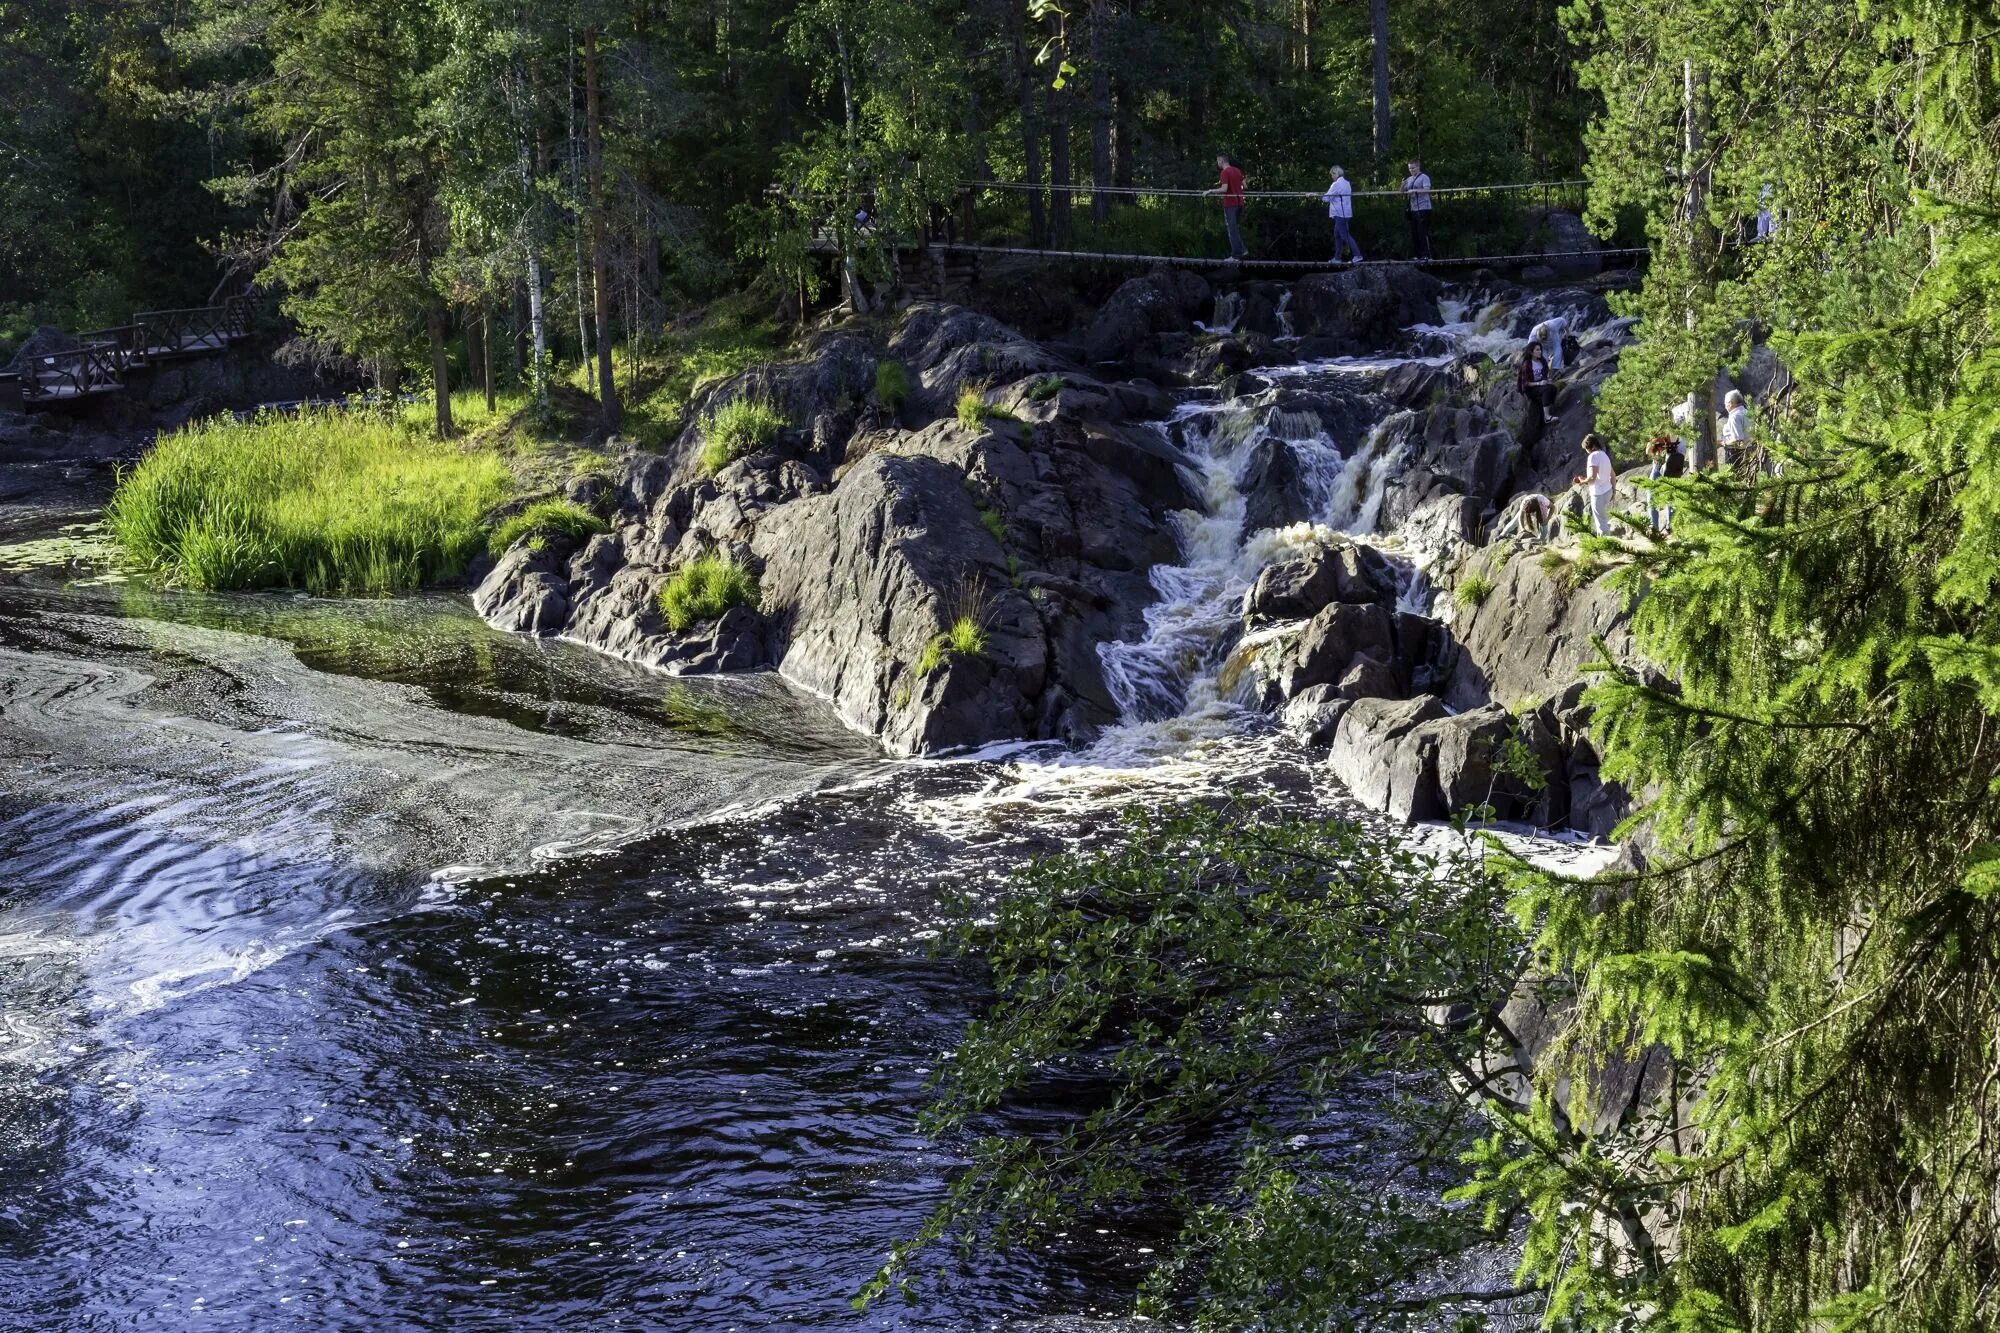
(1185, 192)
(1202, 261)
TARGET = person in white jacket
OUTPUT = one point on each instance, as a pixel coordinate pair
(1339, 198)
(1550, 333)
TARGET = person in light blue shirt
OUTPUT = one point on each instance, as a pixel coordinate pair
(1339, 199)
(1417, 204)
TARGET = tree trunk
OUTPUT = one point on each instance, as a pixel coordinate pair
(1378, 21)
(1100, 114)
(600, 266)
(857, 298)
(486, 347)
(1704, 250)
(1031, 129)
(1059, 173)
(434, 322)
(517, 326)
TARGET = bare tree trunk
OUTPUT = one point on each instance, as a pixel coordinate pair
(1703, 249)
(1100, 114)
(486, 347)
(517, 326)
(857, 299)
(1059, 172)
(1031, 129)
(600, 268)
(1378, 21)
(434, 322)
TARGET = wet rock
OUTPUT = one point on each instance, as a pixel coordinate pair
(1360, 309)
(1325, 650)
(526, 592)
(1165, 300)
(1277, 488)
(1301, 584)
(1315, 713)
(1365, 750)
(592, 567)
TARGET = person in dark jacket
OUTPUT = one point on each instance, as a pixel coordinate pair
(1536, 382)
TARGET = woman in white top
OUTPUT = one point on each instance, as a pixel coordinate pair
(1599, 481)
(1339, 198)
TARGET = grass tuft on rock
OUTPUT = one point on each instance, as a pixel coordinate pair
(1473, 590)
(330, 502)
(892, 385)
(966, 637)
(703, 589)
(971, 410)
(740, 426)
(547, 518)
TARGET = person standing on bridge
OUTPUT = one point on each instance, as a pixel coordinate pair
(1417, 203)
(1339, 198)
(1230, 187)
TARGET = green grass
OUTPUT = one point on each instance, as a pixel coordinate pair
(965, 638)
(892, 385)
(733, 335)
(703, 589)
(1473, 590)
(971, 409)
(1045, 388)
(547, 518)
(331, 502)
(740, 426)
(994, 524)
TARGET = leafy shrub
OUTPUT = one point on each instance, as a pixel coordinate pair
(1045, 388)
(1473, 590)
(331, 502)
(740, 426)
(971, 408)
(544, 519)
(892, 385)
(703, 589)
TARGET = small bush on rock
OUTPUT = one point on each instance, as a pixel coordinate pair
(1473, 590)
(741, 426)
(1045, 388)
(965, 638)
(545, 519)
(703, 589)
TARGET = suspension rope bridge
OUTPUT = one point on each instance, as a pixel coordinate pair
(1476, 226)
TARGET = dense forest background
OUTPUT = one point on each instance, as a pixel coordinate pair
(386, 165)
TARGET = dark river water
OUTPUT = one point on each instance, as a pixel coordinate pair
(361, 967)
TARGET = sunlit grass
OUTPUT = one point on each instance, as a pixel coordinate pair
(703, 589)
(331, 502)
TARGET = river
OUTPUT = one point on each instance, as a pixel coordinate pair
(361, 967)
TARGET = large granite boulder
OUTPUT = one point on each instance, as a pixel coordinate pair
(1300, 584)
(1530, 636)
(526, 591)
(1326, 649)
(1364, 754)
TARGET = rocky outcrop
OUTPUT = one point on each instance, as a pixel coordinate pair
(1165, 300)
(1531, 636)
(872, 541)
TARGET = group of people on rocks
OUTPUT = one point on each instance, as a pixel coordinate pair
(1339, 200)
(1551, 348)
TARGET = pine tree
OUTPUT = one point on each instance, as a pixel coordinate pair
(1814, 946)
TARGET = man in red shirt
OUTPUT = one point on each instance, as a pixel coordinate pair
(1230, 187)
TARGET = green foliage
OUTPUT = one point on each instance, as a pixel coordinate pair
(1197, 995)
(964, 637)
(740, 426)
(1473, 590)
(703, 589)
(1045, 388)
(971, 409)
(547, 518)
(1814, 951)
(329, 502)
(892, 385)
(993, 523)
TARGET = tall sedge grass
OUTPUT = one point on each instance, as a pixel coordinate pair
(331, 502)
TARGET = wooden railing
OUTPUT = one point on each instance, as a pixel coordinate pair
(73, 374)
(101, 363)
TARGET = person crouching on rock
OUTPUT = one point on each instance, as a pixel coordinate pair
(1535, 381)
(1598, 481)
(1339, 198)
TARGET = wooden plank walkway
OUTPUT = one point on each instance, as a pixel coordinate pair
(1292, 265)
